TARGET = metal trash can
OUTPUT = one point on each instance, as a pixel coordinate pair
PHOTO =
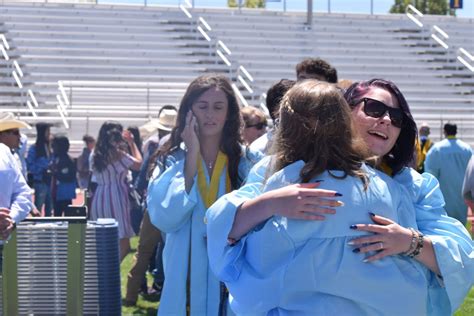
(62, 266)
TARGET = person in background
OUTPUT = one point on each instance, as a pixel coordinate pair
(272, 102)
(38, 162)
(423, 144)
(151, 240)
(15, 194)
(10, 136)
(110, 166)
(447, 161)
(83, 167)
(255, 124)
(468, 187)
(64, 176)
(316, 68)
(156, 131)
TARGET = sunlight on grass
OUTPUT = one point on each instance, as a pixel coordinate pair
(143, 307)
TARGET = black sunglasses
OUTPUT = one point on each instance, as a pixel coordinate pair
(257, 126)
(377, 109)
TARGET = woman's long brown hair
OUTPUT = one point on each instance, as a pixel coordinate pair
(231, 140)
(316, 127)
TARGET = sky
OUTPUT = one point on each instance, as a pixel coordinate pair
(347, 6)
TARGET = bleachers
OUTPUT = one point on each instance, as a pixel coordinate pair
(125, 62)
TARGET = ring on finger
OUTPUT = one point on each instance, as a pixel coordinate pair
(381, 245)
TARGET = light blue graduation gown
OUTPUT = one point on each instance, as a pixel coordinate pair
(447, 161)
(181, 216)
(452, 243)
(307, 267)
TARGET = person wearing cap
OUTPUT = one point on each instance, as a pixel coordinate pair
(155, 130)
(15, 195)
(149, 236)
(10, 134)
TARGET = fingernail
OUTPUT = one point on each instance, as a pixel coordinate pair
(317, 181)
(371, 214)
(339, 203)
(356, 250)
(365, 260)
(337, 194)
(350, 243)
(353, 227)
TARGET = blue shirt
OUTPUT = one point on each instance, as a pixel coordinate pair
(15, 194)
(447, 161)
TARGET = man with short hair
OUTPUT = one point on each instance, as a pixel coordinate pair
(447, 160)
(273, 99)
(316, 68)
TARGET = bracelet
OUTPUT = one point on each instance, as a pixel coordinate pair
(413, 242)
(419, 245)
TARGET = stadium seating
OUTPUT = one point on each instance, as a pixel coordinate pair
(125, 62)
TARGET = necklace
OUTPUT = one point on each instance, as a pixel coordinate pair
(210, 164)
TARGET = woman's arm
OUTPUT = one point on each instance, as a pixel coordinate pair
(135, 153)
(297, 201)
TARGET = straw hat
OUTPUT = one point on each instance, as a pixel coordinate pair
(166, 121)
(8, 121)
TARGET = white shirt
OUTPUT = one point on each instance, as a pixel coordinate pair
(263, 143)
(15, 194)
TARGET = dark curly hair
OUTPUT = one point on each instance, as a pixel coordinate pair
(231, 142)
(319, 67)
(108, 144)
(402, 152)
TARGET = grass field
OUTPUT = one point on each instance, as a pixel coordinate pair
(149, 308)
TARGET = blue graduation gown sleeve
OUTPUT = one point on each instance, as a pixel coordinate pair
(169, 205)
(225, 260)
(453, 246)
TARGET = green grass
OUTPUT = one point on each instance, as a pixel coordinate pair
(145, 307)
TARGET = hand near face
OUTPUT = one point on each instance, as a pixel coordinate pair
(127, 136)
(190, 133)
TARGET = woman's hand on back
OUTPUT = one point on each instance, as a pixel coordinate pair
(388, 239)
(302, 201)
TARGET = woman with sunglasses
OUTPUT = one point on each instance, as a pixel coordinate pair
(447, 246)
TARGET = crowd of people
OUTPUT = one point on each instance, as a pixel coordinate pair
(335, 204)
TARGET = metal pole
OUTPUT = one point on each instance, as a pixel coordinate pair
(329, 6)
(310, 14)
(192, 3)
(284, 6)
(10, 276)
(371, 7)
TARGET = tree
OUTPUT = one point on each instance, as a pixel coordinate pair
(440, 7)
(247, 3)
